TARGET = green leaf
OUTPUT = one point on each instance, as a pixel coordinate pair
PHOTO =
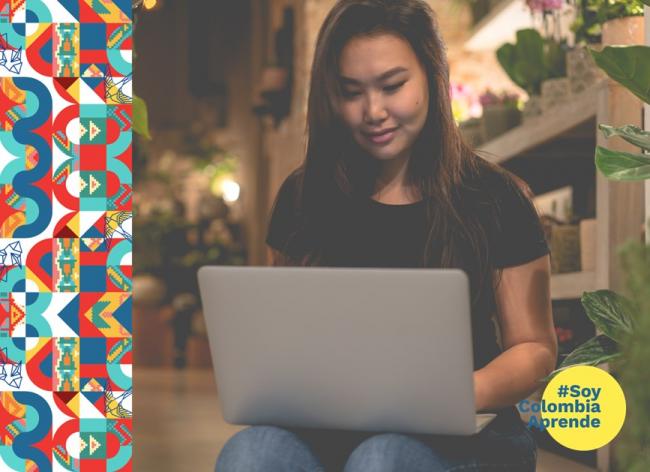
(524, 61)
(507, 57)
(610, 312)
(555, 60)
(596, 351)
(627, 65)
(630, 133)
(140, 117)
(618, 165)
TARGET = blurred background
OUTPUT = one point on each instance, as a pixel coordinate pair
(225, 86)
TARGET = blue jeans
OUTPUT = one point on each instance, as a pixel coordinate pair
(504, 445)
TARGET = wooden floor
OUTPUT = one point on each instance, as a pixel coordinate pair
(178, 425)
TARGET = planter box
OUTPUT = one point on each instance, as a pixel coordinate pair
(497, 119)
(582, 69)
(565, 249)
(472, 131)
(533, 108)
(554, 92)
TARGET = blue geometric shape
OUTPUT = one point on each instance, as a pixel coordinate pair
(92, 350)
(92, 278)
(72, 6)
(46, 52)
(92, 36)
(123, 315)
(70, 314)
(46, 366)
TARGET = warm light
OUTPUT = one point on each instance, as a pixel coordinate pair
(230, 190)
(150, 4)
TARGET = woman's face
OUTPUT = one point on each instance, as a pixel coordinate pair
(385, 94)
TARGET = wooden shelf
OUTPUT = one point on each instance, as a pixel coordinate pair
(572, 285)
(500, 26)
(544, 128)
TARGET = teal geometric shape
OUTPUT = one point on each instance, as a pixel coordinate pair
(95, 130)
(93, 183)
(93, 445)
(92, 204)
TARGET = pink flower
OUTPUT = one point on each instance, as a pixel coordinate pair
(544, 5)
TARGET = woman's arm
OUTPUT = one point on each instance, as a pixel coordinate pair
(527, 335)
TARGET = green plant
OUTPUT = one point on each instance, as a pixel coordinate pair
(532, 59)
(630, 66)
(611, 314)
(140, 117)
(625, 323)
(591, 14)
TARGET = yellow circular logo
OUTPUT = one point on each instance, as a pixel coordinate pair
(583, 408)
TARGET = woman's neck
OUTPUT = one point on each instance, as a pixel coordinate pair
(391, 185)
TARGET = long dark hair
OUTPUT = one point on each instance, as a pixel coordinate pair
(442, 166)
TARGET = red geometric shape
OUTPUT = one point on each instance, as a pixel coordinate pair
(93, 157)
(62, 399)
(62, 84)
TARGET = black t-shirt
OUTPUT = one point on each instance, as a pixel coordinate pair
(367, 233)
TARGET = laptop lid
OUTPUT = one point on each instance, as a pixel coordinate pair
(342, 348)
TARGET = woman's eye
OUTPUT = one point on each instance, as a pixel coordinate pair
(351, 93)
(393, 88)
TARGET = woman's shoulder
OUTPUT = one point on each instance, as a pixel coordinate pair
(292, 182)
(497, 183)
(288, 194)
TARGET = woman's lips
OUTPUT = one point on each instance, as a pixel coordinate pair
(383, 138)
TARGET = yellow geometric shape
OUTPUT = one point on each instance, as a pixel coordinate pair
(73, 90)
(73, 404)
(31, 157)
(31, 352)
(93, 71)
(94, 184)
(114, 15)
(92, 243)
(74, 224)
(94, 130)
(93, 386)
(11, 223)
(11, 91)
(94, 444)
(11, 406)
(101, 315)
(29, 275)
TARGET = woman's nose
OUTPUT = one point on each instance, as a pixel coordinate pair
(374, 110)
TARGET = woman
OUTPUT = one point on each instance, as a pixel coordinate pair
(388, 182)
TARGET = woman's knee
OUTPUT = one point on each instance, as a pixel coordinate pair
(264, 448)
(392, 452)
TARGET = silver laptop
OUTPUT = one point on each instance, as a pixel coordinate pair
(343, 348)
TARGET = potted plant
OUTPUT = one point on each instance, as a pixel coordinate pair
(500, 113)
(593, 18)
(524, 64)
(530, 62)
(555, 87)
(592, 15)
